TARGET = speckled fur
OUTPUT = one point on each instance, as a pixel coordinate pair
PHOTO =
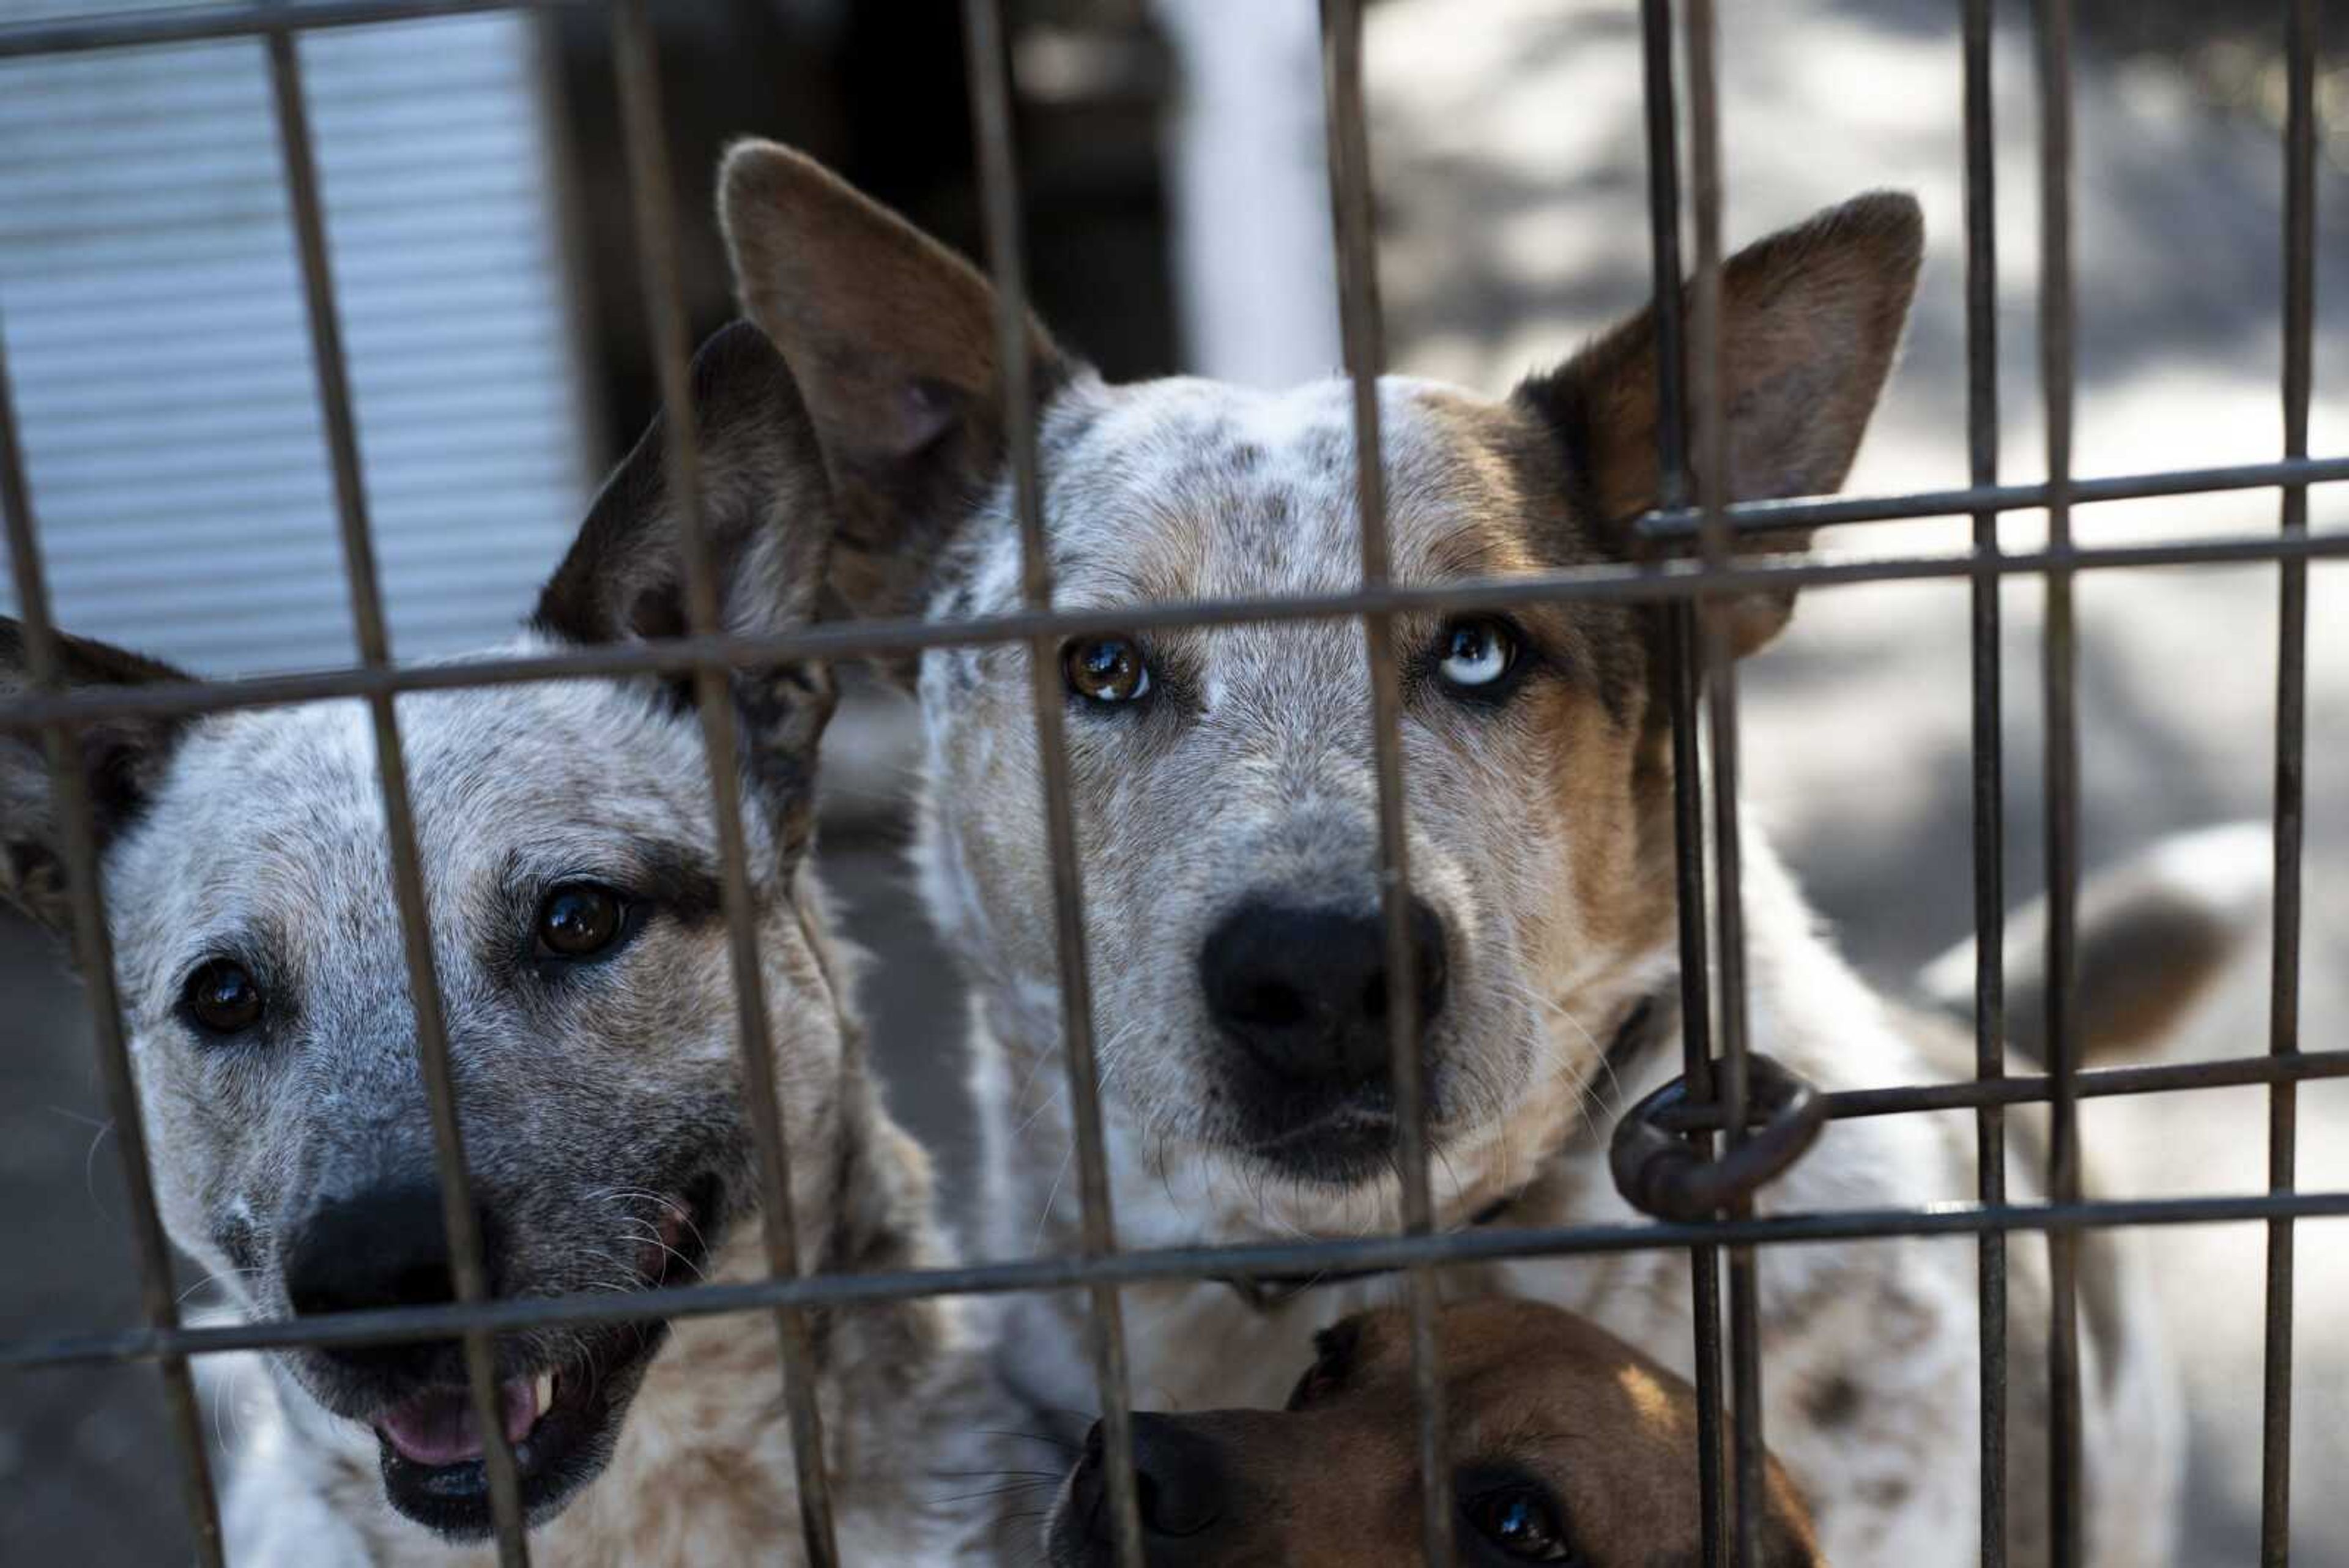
(1540, 833)
(589, 1096)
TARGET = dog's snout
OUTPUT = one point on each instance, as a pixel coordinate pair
(1305, 990)
(386, 1247)
(1182, 1484)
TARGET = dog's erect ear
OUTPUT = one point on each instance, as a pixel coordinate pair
(766, 524)
(766, 513)
(1809, 320)
(892, 340)
(123, 760)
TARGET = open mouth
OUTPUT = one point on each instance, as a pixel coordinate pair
(562, 1424)
(562, 1419)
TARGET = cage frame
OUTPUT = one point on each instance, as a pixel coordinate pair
(1699, 679)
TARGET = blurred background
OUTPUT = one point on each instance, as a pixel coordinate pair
(1175, 204)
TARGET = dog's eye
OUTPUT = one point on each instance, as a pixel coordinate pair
(223, 998)
(1318, 1384)
(1475, 652)
(1521, 1522)
(580, 920)
(1105, 668)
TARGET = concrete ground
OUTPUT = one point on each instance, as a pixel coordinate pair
(1511, 168)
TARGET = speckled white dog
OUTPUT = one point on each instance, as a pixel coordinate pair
(1226, 808)
(571, 865)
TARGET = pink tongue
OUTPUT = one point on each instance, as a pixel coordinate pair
(438, 1428)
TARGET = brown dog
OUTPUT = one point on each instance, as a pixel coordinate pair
(1568, 1446)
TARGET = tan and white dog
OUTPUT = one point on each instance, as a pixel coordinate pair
(1226, 810)
(571, 865)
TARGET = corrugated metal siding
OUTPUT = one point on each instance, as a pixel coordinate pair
(151, 302)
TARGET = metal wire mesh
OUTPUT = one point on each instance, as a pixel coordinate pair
(1700, 685)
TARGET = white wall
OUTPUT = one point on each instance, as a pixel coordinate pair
(151, 302)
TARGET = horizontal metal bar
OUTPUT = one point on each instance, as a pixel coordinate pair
(1363, 1254)
(1640, 584)
(2097, 1083)
(1767, 517)
(197, 24)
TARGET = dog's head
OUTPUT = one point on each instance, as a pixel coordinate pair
(1224, 789)
(571, 870)
(1567, 1447)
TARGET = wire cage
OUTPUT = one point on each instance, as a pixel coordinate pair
(1723, 1081)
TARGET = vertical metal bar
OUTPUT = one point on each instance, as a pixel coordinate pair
(2060, 663)
(1679, 677)
(1696, 1060)
(1988, 760)
(636, 68)
(991, 119)
(1718, 664)
(1353, 214)
(2292, 724)
(468, 1275)
(93, 946)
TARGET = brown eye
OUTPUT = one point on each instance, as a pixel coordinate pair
(579, 920)
(1521, 1522)
(1105, 668)
(1335, 1351)
(223, 998)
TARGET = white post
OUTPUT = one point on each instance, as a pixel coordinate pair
(1254, 264)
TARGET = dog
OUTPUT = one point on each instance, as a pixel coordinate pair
(571, 874)
(1566, 1446)
(1225, 806)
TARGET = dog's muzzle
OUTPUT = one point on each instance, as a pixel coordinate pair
(1185, 1484)
(1305, 991)
(560, 1405)
(1300, 995)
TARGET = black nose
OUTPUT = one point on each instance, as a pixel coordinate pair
(1305, 990)
(385, 1247)
(1182, 1483)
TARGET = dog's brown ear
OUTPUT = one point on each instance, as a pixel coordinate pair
(1809, 320)
(123, 760)
(766, 524)
(892, 340)
(1789, 1540)
(766, 511)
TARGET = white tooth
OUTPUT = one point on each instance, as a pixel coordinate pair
(545, 1390)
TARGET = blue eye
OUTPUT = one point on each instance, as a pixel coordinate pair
(1473, 653)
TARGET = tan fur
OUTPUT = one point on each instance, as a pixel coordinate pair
(1531, 1395)
(1834, 291)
